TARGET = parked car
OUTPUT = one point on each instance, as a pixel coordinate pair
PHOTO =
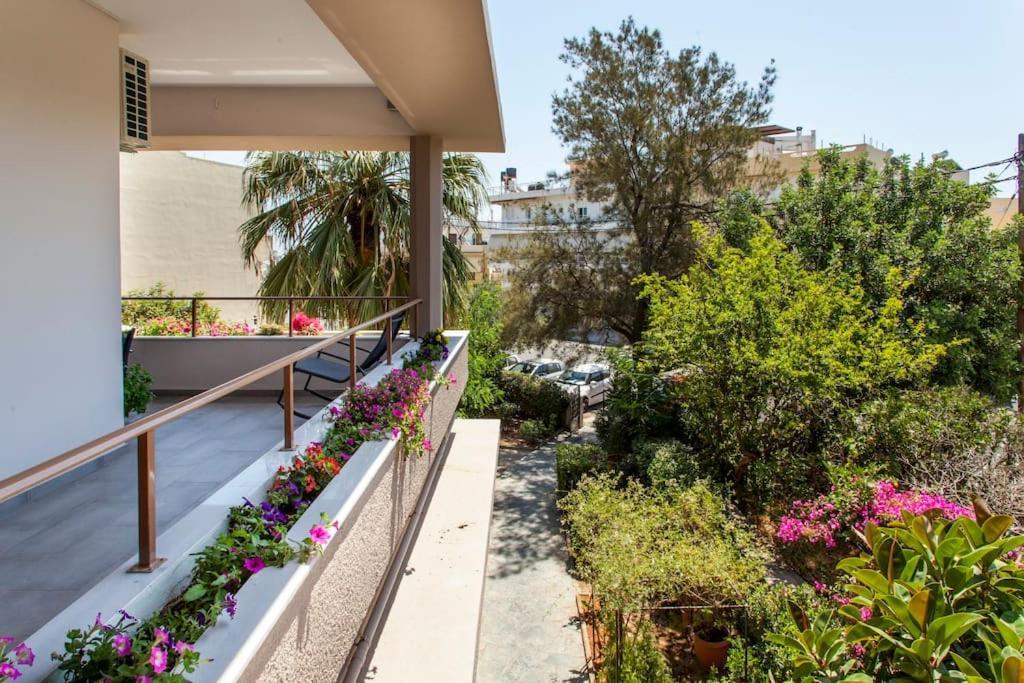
(592, 380)
(510, 360)
(545, 368)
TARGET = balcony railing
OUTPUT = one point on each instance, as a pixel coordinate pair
(289, 300)
(144, 429)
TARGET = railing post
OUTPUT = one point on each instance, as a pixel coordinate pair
(289, 409)
(290, 311)
(387, 335)
(195, 316)
(352, 361)
(148, 561)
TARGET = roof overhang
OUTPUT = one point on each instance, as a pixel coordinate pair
(316, 74)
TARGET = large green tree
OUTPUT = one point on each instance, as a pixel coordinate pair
(340, 221)
(863, 221)
(658, 138)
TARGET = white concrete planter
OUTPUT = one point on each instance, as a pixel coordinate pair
(296, 622)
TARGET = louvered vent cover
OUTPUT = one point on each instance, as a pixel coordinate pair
(134, 102)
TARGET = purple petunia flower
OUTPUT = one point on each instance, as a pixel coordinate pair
(230, 604)
(254, 564)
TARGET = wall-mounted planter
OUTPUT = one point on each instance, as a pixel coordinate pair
(297, 622)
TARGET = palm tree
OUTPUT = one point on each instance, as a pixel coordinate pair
(340, 222)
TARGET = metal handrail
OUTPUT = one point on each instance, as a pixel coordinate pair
(144, 429)
(290, 299)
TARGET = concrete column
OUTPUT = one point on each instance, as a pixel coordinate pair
(425, 212)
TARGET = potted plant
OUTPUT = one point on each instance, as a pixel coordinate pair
(710, 644)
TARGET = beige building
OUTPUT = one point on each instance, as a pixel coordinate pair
(179, 225)
(1002, 210)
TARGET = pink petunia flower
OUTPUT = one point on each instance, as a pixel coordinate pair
(181, 647)
(8, 671)
(319, 534)
(158, 659)
(122, 645)
(161, 635)
(143, 679)
(23, 655)
(254, 564)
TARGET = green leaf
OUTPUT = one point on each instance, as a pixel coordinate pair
(945, 631)
(995, 526)
(919, 606)
(195, 592)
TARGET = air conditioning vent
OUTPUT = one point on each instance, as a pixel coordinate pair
(135, 128)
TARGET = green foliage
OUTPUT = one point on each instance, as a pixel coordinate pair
(271, 330)
(642, 662)
(863, 222)
(535, 398)
(767, 353)
(933, 599)
(486, 359)
(667, 462)
(574, 460)
(950, 440)
(637, 546)
(137, 389)
(768, 610)
(135, 313)
(342, 222)
(656, 137)
(535, 432)
(638, 405)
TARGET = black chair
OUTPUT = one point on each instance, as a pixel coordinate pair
(338, 371)
(127, 339)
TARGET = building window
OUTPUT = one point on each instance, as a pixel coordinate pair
(581, 212)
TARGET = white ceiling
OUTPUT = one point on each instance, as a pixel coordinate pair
(234, 42)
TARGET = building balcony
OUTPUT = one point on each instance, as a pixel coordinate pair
(69, 544)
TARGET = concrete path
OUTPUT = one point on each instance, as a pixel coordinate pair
(529, 631)
(431, 629)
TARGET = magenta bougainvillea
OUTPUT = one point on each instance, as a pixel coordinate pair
(306, 325)
(824, 522)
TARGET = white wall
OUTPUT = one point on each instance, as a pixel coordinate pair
(60, 383)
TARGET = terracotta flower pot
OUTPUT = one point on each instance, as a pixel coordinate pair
(710, 653)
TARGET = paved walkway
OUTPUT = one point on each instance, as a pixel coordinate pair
(529, 630)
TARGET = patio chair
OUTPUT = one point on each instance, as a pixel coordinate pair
(127, 339)
(338, 371)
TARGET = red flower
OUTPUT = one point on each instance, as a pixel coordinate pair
(310, 482)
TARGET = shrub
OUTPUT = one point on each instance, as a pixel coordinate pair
(305, 325)
(637, 546)
(816, 532)
(952, 441)
(933, 599)
(486, 359)
(534, 432)
(638, 406)
(137, 389)
(535, 398)
(642, 662)
(271, 330)
(769, 610)
(135, 313)
(574, 460)
(664, 462)
(767, 352)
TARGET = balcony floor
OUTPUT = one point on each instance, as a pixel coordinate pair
(65, 537)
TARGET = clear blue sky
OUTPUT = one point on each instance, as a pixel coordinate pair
(919, 76)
